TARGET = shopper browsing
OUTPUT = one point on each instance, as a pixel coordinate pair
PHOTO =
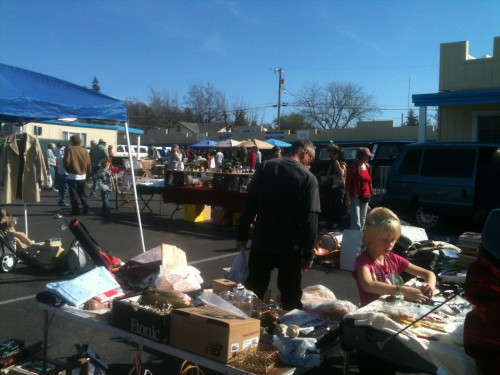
(284, 195)
(104, 175)
(377, 269)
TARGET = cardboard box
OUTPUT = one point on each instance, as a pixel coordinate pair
(220, 285)
(140, 320)
(196, 212)
(212, 333)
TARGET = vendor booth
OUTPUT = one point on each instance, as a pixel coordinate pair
(28, 96)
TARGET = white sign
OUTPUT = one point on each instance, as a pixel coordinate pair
(275, 135)
(302, 134)
(248, 131)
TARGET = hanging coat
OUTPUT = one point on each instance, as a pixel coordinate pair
(21, 170)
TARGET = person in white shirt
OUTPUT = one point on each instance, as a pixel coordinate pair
(219, 158)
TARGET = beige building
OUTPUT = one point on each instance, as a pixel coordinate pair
(184, 133)
(59, 131)
(468, 97)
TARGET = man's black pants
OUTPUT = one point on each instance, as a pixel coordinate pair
(289, 267)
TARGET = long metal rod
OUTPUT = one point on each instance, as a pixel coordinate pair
(382, 343)
(135, 188)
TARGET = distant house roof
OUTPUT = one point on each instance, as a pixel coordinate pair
(190, 126)
(203, 128)
(457, 98)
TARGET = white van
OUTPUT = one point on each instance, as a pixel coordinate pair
(122, 151)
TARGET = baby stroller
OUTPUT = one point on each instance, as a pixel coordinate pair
(8, 251)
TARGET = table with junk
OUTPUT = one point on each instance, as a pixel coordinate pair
(412, 337)
(224, 190)
(156, 300)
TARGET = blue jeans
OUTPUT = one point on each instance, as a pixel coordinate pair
(105, 201)
(63, 188)
(96, 181)
(358, 213)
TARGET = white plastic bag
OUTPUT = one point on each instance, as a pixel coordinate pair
(239, 269)
(183, 279)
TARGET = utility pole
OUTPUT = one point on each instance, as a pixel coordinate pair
(281, 81)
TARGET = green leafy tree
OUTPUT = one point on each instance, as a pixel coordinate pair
(240, 118)
(95, 85)
(292, 122)
(411, 118)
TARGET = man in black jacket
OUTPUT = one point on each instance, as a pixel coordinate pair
(284, 195)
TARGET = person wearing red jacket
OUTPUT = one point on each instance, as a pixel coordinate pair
(358, 187)
(252, 158)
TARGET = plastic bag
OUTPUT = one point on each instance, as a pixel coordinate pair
(316, 292)
(183, 279)
(239, 269)
(320, 300)
(333, 310)
(297, 351)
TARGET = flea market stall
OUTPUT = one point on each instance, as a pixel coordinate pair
(29, 96)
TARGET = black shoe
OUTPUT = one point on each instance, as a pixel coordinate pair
(74, 213)
(85, 210)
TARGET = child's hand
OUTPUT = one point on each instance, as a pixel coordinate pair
(427, 290)
(413, 294)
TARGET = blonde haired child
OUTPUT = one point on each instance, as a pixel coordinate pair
(377, 269)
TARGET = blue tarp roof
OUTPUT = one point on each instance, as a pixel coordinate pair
(95, 126)
(457, 98)
(27, 96)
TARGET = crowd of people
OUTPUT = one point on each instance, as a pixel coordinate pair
(70, 167)
(217, 159)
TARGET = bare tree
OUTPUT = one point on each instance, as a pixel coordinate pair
(206, 103)
(166, 109)
(163, 111)
(335, 105)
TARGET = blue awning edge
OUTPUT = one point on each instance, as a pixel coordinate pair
(457, 98)
(94, 126)
(27, 96)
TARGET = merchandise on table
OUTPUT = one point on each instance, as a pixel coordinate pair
(148, 314)
(212, 333)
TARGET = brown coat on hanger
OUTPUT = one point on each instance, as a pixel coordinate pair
(21, 172)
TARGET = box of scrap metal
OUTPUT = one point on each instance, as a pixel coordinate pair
(212, 333)
(148, 314)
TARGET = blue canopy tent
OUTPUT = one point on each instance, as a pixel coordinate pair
(204, 143)
(277, 142)
(27, 96)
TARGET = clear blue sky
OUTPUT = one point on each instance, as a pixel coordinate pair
(390, 48)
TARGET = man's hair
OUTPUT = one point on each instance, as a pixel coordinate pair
(303, 144)
(75, 139)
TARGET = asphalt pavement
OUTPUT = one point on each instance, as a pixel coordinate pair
(209, 247)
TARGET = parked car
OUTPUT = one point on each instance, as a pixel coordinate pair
(122, 151)
(385, 152)
(432, 180)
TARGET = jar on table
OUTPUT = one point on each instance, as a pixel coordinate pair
(246, 304)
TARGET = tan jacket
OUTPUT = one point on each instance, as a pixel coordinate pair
(21, 173)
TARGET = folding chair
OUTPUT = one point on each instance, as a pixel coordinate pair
(124, 192)
(146, 169)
